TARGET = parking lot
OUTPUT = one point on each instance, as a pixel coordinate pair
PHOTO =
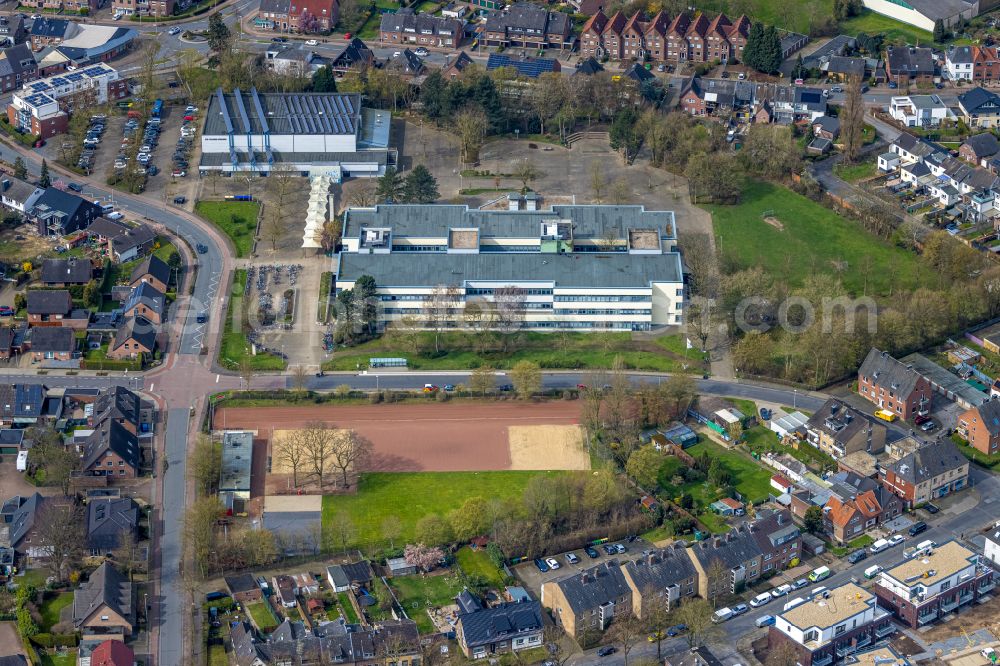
(533, 578)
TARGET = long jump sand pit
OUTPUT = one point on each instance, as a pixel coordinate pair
(458, 436)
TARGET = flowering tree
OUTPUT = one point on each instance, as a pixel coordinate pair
(308, 22)
(423, 557)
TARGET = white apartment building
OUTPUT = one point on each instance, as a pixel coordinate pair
(567, 268)
(933, 582)
(991, 550)
(919, 110)
(103, 79)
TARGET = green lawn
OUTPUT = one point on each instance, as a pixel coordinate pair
(774, 12)
(345, 604)
(418, 593)
(217, 655)
(975, 455)
(51, 607)
(549, 350)
(67, 658)
(814, 239)
(165, 250)
(478, 563)
(761, 440)
(237, 219)
(411, 496)
(855, 172)
(261, 615)
(713, 522)
(752, 480)
(873, 23)
(235, 346)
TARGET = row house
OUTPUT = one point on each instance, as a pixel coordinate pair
(980, 426)
(857, 504)
(980, 149)
(979, 64)
(934, 470)
(767, 103)
(408, 27)
(933, 583)
(662, 39)
(831, 626)
(524, 25)
(590, 599)
(501, 629)
(893, 386)
(309, 16)
(838, 429)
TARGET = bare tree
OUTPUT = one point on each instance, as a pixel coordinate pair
(342, 530)
(527, 171)
(392, 528)
(128, 553)
(318, 441)
(59, 529)
(364, 194)
(275, 225)
(620, 192)
(718, 580)
(852, 121)
(247, 371)
(527, 378)
(440, 310)
(482, 380)
(349, 452)
(206, 465)
(508, 302)
(472, 125)
(782, 654)
(597, 179)
(626, 631)
(696, 614)
(300, 378)
(290, 451)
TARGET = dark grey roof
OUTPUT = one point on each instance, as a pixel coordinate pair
(407, 20)
(241, 583)
(284, 113)
(356, 52)
(119, 403)
(274, 6)
(17, 61)
(845, 65)
(16, 189)
(49, 301)
(525, 18)
(989, 414)
(840, 421)
(525, 66)
(14, 660)
(147, 295)
(467, 602)
(50, 27)
(52, 339)
(589, 66)
(910, 60)
(503, 622)
(70, 271)
(735, 548)
(661, 568)
(983, 145)
(65, 202)
(138, 329)
(407, 62)
(102, 226)
(883, 370)
(108, 520)
(979, 100)
(244, 648)
(592, 587)
(639, 73)
(774, 528)
(960, 54)
(828, 124)
(11, 436)
(355, 572)
(19, 515)
(133, 237)
(460, 62)
(929, 461)
(918, 146)
(110, 435)
(105, 586)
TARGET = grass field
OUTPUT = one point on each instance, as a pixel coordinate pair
(411, 496)
(774, 12)
(51, 607)
(813, 239)
(975, 455)
(67, 658)
(549, 350)
(345, 604)
(262, 615)
(762, 440)
(751, 479)
(852, 173)
(478, 563)
(234, 346)
(236, 219)
(417, 593)
(873, 23)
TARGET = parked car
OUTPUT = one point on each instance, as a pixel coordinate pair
(572, 558)
(917, 528)
(553, 563)
(6, 311)
(202, 248)
(422, 52)
(921, 418)
(76, 187)
(542, 566)
(857, 556)
(279, 40)
(896, 539)
(676, 630)
(606, 651)
(174, 31)
(739, 609)
(781, 591)
(927, 426)
(180, 200)
(591, 552)
(610, 549)
(931, 508)
(800, 583)
(311, 42)
(761, 599)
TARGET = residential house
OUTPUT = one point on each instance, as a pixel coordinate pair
(991, 548)
(958, 63)
(305, 584)
(387, 643)
(524, 25)
(53, 343)
(972, 63)
(588, 600)
(778, 538)
(830, 627)
(892, 386)
(455, 10)
(934, 470)
(17, 63)
(25, 405)
(844, 68)
(103, 605)
(342, 577)
(147, 302)
(17, 523)
(979, 108)
(826, 127)
(244, 589)
(121, 241)
(17, 194)
(979, 148)
(135, 339)
(48, 307)
(528, 67)
(456, 65)
(12, 30)
(152, 270)
(59, 213)
(66, 272)
(111, 451)
(143, 7)
(311, 16)
(405, 63)
(906, 64)
(112, 653)
(790, 104)
(127, 408)
(354, 55)
(273, 15)
(284, 588)
(111, 521)
(912, 150)
(727, 506)
(505, 627)
(933, 583)
(661, 578)
(48, 31)
(738, 555)
(980, 426)
(838, 429)
(293, 61)
(919, 110)
(406, 26)
(858, 504)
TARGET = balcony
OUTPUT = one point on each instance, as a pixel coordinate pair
(928, 617)
(965, 597)
(949, 605)
(885, 630)
(986, 586)
(863, 641)
(844, 650)
(823, 660)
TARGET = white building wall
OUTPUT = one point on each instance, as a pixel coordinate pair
(910, 16)
(992, 548)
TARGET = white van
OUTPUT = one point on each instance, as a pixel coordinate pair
(879, 546)
(793, 603)
(926, 545)
(873, 571)
(22, 461)
(760, 599)
(765, 621)
(819, 591)
(721, 615)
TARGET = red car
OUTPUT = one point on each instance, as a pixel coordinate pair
(189, 118)
(347, 35)
(918, 419)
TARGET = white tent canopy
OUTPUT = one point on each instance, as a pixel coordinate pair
(316, 213)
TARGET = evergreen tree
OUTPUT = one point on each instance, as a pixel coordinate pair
(44, 180)
(420, 187)
(751, 52)
(390, 186)
(218, 33)
(434, 95)
(799, 71)
(939, 31)
(770, 52)
(20, 168)
(323, 80)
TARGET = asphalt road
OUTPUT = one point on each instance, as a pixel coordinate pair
(171, 609)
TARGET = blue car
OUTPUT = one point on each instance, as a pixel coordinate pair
(542, 566)
(676, 630)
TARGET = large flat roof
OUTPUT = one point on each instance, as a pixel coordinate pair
(283, 113)
(436, 220)
(237, 459)
(841, 604)
(945, 560)
(417, 269)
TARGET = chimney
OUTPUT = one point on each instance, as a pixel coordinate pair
(781, 518)
(6, 184)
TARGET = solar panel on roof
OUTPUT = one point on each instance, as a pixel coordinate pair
(57, 81)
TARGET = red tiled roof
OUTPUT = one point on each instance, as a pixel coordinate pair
(635, 23)
(839, 512)
(659, 24)
(731, 503)
(112, 653)
(595, 23)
